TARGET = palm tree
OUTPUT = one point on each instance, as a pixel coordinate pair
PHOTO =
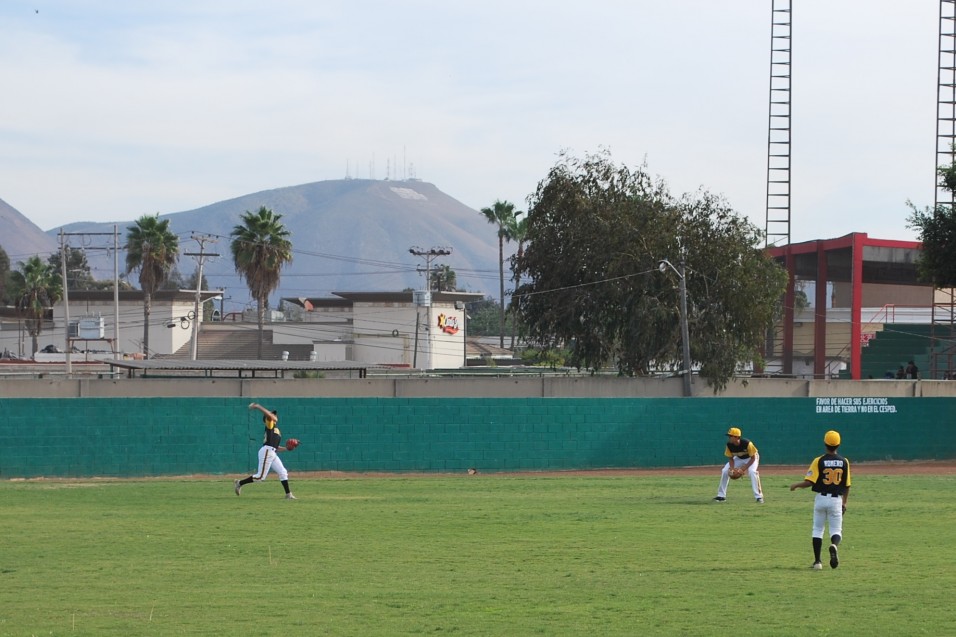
(502, 214)
(260, 248)
(36, 287)
(518, 232)
(79, 276)
(152, 249)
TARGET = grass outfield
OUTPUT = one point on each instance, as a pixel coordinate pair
(481, 555)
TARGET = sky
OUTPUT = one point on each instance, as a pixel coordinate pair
(111, 110)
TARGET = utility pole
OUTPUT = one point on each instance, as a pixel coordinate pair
(116, 338)
(663, 265)
(66, 305)
(429, 255)
(66, 295)
(424, 298)
(202, 254)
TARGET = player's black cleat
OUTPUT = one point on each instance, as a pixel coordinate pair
(834, 557)
(719, 499)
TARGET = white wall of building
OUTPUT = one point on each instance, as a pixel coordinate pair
(446, 337)
(385, 333)
(294, 333)
(162, 339)
(332, 351)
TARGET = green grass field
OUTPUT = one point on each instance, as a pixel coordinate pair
(482, 555)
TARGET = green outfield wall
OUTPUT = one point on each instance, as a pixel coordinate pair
(129, 437)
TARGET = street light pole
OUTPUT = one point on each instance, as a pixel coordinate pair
(684, 327)
(460, 305)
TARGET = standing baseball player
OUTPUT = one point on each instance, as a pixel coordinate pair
(743, 458)
(269, 453)
(829, 477)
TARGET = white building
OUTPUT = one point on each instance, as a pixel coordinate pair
(401, 329)
(404, 329)
(104, 326)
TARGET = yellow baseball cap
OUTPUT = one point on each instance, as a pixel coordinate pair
(733, 431)
(832, 439)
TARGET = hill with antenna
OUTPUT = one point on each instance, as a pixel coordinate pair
(347, 235)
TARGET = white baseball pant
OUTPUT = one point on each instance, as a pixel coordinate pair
(827, 509)
(751, 471)
(269, 459)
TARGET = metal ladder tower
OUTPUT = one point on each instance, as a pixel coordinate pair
(943, 323)
(945, 97)
(777, 228)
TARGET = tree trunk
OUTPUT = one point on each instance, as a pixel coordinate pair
(147, 310)
(260, 319)
(33, 329)
(514, 309)
(514, 319)
(501, 290)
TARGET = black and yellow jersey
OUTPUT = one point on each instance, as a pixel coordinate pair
(272, 436)
(744, 449)
(830, 474)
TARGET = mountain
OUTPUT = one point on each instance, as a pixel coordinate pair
(21, 238)
(347, 235)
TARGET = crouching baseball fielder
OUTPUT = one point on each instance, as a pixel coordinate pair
(743, 459)
(269, 453)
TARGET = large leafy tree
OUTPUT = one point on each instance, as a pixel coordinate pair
(175, 281)
(36, 286)
(191, 283)
(937, 231)
(597, 233)
(152, 249)
(483, 317)
(260, 248)
(501, 214)
(79, 276)
(444, 279)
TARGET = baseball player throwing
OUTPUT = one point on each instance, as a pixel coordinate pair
(268, 453)
(829, 477)
(743, 458)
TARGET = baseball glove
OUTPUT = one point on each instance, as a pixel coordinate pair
(736, 474)
(291, 443)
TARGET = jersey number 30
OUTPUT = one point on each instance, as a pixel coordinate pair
(832, 476)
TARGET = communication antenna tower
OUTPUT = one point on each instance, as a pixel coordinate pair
(946, 98)
(777, 227)
(943, 321)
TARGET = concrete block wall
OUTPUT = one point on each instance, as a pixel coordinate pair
(155, 436)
